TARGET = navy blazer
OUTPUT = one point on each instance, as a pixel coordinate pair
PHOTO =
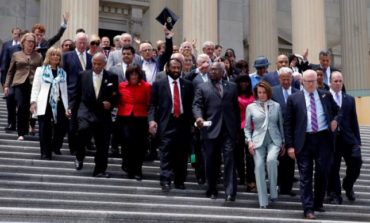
(348, 126)
(160, 108)
(90, 108)
(272, 78)
(211, 107)
(278, 96)
(295, 123)
(7, 57)
(72, 66)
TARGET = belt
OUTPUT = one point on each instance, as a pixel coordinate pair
(317, 133)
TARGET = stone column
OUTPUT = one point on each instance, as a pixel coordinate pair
(308, 27)
(84, 14)
(355, 47)
(200, 21)
(51, 17)
(263, 31)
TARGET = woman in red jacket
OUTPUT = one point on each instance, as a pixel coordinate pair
(132, 119)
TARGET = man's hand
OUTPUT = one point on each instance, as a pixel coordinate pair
(107, 105)
(305, 54)
(291, 152)
(282, 151)
(6, 91)
(153, 128)
(33, 108)
(66, 17)
(251, 148)
(333, 125)
(199, 122)
(194, 43)
(69, 114)
(167, 32)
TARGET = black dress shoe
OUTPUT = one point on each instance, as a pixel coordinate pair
(138, 177)
(45, 157)
(351, 195)
(166, 187)
(320, 209)
(290, 193)
(309, 215)
(201, 181)
(10, 127)
(180, 186)
(78, 164)
(212, 194)
(57, 151)
(102, 175)
(230, 198)
(335, 199)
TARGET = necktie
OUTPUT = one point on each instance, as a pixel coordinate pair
(176, 100)
(286, 95)
(218, 88)
(314, 124)
(337, 99)
(97, 83)
(82, 61)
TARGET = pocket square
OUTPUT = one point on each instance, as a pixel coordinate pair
(109, 84)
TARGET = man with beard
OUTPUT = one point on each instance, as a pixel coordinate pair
(170, 116)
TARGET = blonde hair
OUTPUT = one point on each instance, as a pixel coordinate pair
(53, 50)
(28, 35)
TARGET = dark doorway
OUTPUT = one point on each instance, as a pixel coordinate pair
(110, 33)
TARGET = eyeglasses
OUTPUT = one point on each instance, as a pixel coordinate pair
(310, 81)
(95, 43)
(146, 50)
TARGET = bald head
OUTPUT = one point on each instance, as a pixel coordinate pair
(282, 61)
(336, 81)
(309, 80)
(178, 56)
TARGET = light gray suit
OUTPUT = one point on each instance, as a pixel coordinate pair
(117, 70)
(115, 58)
(267, 137)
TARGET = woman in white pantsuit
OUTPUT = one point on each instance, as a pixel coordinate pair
(264, 137)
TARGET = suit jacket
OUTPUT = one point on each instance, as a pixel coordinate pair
(40, 92)
(278, 96)
(117, 70)
(161, 103)
(162, 59)
(72, 66)
(348, 126)
(22, 68)
(115, 58)
(272, 78)
(5, 60)
(90, 109)
(210, 106)
(295, 122)
(255, 128)
(133, 100)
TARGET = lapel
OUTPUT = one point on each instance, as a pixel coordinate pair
(166, 84)
(303, 103)
(76, 60)
(90, 84)
(281, 95)
(183, 91)
(322, 97)
(103, 85)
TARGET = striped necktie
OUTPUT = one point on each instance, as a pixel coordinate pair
(314, 124)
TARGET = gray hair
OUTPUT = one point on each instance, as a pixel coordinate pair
(325, 53)
(81, 35)
(201, 57)
(208, 43)
(100, 56)
(285, 70)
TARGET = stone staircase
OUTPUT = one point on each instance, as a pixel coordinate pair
(34, 190)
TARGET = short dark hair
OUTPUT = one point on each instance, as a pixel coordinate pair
(319, 68)
(132, 69)
(218, 46)
(80, 30)
(266, 86)
(129, 48)
(325, 53)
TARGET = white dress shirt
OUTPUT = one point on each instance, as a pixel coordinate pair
(150, 69)
(321, 118)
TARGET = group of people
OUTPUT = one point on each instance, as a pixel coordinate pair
(203, 107)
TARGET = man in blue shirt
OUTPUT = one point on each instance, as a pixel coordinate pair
(261, 64)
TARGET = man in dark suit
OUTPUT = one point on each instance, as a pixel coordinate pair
(273, 77)
(310, 119)
(5, 57)
(73, 63)
(93, 98)
(217, 101)
(42, 44)
(325, 57)
(170, 118)
(286, 166)
(347, 144)
(152, 65)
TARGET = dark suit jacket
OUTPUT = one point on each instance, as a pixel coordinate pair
(90, 109)
(348, 126)
(160, 107)
(272, 78)
(161, 60)
(211, 107)
(278, 96)
(295, 122)
(6, 58)
(72, 66)
(46, 44)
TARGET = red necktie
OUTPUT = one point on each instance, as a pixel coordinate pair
(176, 100)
